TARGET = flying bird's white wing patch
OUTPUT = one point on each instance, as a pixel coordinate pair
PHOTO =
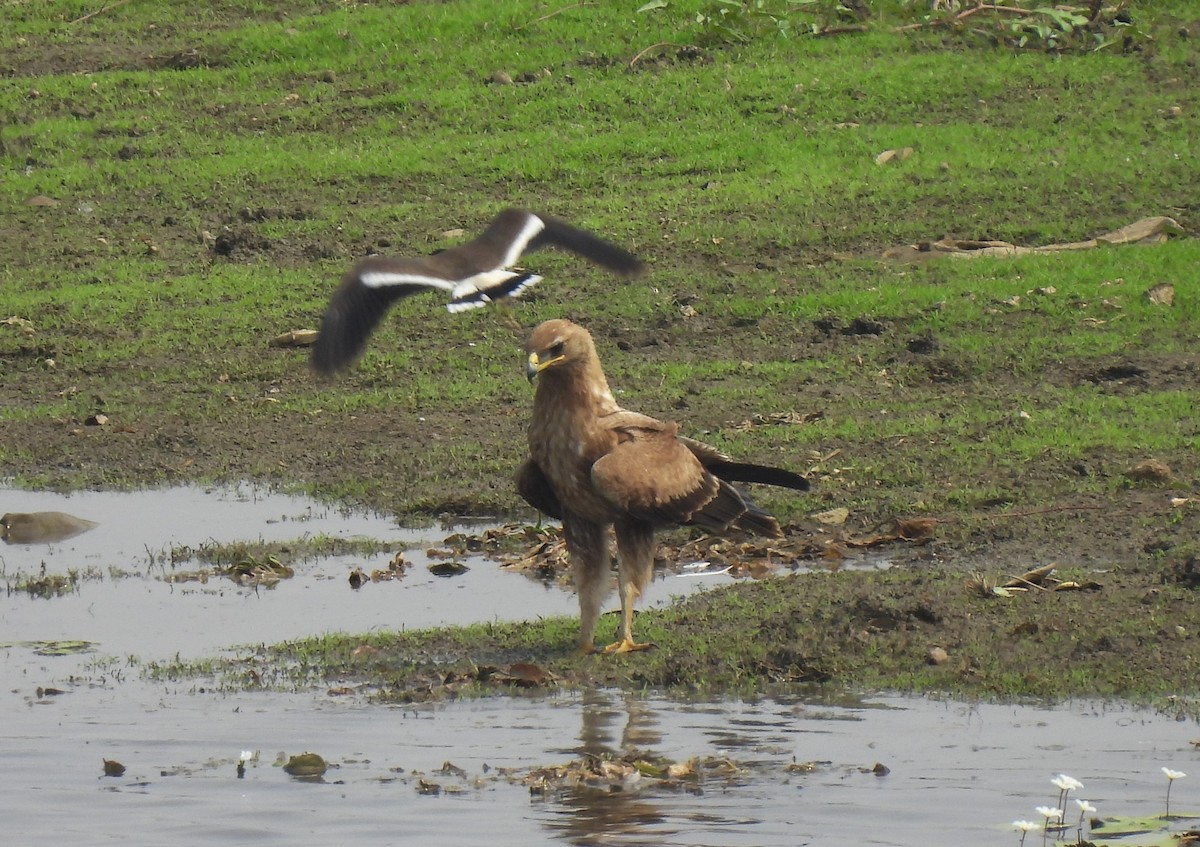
(382, 279)
(485, 288)
(533, 225)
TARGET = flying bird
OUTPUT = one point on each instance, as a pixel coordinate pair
(474, 274)
(595, 465)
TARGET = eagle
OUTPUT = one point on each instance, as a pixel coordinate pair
(474, 274)
(595, 465)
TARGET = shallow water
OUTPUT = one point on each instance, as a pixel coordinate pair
(194, 619)
(959, 773)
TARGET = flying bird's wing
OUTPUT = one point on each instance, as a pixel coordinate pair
(559, 233)
(475, 273)
(359, 304)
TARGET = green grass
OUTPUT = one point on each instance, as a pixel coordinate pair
(301, 136)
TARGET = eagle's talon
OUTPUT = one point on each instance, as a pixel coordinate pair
(627, 645)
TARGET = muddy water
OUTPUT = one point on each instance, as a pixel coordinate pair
(957, 773)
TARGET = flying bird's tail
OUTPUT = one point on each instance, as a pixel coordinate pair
(591, 247)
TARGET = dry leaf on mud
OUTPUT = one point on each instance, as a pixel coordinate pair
(775, 418)
(1162, 294)
(1071, 585)
(295, 338)
(832, 517)
(1152, 230)
(899, 155)
(1150, 470)
(913, 530)
(916, 529)
(529, 675)
(24, 325)
(1036, 576)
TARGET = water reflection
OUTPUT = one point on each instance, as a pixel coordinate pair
(635, 809)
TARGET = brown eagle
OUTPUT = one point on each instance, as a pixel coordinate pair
(595, 465)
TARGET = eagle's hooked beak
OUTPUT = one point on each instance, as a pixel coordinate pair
(535, 366)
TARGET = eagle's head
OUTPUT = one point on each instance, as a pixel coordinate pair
(558, 344)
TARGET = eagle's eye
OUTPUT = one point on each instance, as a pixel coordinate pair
(556, 349)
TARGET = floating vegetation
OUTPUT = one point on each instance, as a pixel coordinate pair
(46, 585)
(395, 570)
(251, 571)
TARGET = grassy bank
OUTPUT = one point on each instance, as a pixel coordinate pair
(180, 185)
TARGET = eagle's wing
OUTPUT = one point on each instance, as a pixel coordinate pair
(652, 477)
(536, 490)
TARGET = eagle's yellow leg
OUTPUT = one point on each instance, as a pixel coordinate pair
(626, 644)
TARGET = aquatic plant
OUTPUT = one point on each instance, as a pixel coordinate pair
(1085, 808)
(1065, 784)
(1171, 777)
(1050, 814)
(1025, 827)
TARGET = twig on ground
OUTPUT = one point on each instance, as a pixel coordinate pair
(963, 15)
(107, 8)
(547, 17)
(643, 52)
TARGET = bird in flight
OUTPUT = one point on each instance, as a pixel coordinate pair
(595, 465)
(474, 274)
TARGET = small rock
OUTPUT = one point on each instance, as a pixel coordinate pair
(937, 656)
(501, 78)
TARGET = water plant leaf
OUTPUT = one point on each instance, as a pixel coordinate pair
(60, 648)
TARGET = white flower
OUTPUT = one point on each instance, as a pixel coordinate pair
(1085, 808)
(1050, 813)
(1026, 826)
(1066, 783)
(1173, 775)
